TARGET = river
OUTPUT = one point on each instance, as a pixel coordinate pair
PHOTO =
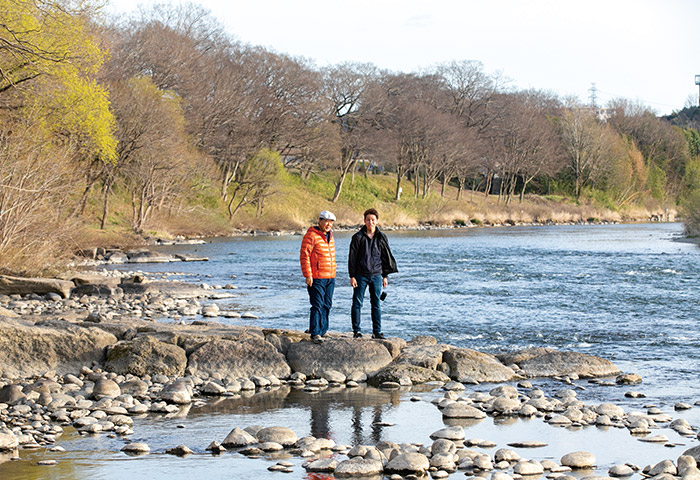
(628, 293)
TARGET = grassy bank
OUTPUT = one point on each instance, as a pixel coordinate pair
(295, 203)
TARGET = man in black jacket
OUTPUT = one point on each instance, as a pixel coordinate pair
(369, 263)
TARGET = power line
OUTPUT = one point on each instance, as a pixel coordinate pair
(619, 95)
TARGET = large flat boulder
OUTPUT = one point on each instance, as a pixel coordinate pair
(173, 289)
(400, 372)
(247, 357)
(27, 350)
(41, 286)
(555, 363)
(427, 356)
(146, 356)
(470, 366)
(343, 354)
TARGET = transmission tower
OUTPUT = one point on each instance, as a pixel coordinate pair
(593, 95)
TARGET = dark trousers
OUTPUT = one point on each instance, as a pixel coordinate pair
(321, 298)
(358, 296)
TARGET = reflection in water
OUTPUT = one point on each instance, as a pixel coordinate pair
(505, 420)
(334, 413)
(462, 422)
(247, 402)
(342, 401)
(319, 476)
(320, 428)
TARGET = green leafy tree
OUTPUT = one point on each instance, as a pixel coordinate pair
(690, 209)
(627, 178)
(48, 59)
(657, 182)
(693, 138)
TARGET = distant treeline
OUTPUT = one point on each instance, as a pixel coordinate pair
(164, 105)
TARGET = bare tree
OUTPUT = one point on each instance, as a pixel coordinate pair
(527, 141)
(402, 109)
(154, 153)
(469, 150)
(345, 86)
(36, 176)
(473, 93)
(254, 181)
(586, 144)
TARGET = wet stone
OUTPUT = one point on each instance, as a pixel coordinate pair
(528, 444)
(655, 439)
(180, 451)
(238, 438)
(620, 471)
(663, 467)
(136, 448)
(322, 465)
(408, 463)
(449, 433)
(270, 447)
(528, 467)
(359, 467)
(628, 379)
(578, 459)
(462, 410)
(282, 435)
(506, 455)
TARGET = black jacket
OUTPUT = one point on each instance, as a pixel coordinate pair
(357, 248)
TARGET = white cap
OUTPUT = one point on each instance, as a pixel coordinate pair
(326, 215)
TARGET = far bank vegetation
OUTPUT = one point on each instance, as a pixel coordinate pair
(162, 123)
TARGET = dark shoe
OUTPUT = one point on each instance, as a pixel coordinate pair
(357, 335)
(317, 339)
(378, 335)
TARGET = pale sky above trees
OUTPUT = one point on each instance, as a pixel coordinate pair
(642, 50)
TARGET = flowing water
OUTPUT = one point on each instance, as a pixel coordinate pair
(628, 293)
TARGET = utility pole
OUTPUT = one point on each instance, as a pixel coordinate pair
(697, 82)
(594, 92)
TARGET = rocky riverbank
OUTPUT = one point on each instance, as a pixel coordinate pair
(92, 357)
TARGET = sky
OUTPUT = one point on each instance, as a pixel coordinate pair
(647, 51)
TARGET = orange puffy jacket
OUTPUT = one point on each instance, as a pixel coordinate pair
(317, 256)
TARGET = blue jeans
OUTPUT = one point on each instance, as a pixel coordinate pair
(358, 296)
(321, 298)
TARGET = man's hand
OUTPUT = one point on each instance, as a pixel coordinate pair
(353, 282)
(385, 281)
(309, 281)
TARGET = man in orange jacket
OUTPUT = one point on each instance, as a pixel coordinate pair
(317, 258)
